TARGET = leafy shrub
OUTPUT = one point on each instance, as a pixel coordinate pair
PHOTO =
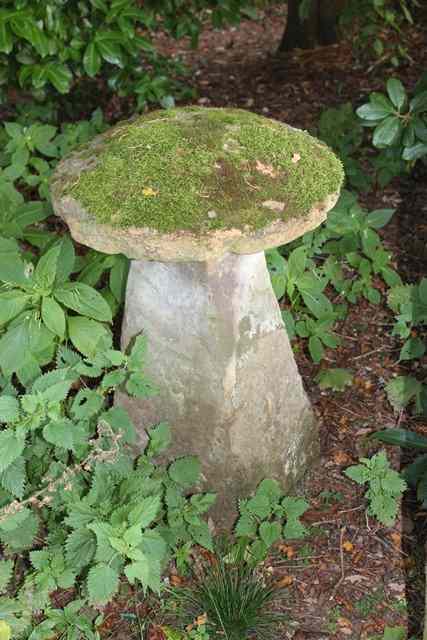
(399, 122)
(52, 46)
(75, 501)
(346, 253)
(268, 517)
(385, 486)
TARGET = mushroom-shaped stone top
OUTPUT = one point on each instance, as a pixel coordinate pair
(192, 184)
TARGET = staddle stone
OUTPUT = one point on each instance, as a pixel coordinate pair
(194, 196)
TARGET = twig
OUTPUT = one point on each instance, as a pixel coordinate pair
(341, 580)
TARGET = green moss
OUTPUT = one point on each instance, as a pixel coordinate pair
(201, 169)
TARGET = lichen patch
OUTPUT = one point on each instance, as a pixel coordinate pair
(169, 170)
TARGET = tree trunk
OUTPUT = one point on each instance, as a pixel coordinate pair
(320, 28)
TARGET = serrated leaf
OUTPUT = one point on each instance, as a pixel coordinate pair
(9, 409)
(401, 390)
(270, 532)
(394, 633)
(160, 438)
(185, 471)
(294, 509)
(14, 477)
(259, 506)
(413, 348)
(145, 512)
(22, 536)
(6, 570)
(201, 534)
(11, 446)
(80, 548)
(45, 271)
(102, 584)
(85, 300)
(203, 502)
(53, 316)
(246, 526)
(60, 434)
(87, 334)
(11, 305)
(335, 379)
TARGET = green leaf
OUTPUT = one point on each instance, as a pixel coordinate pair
(160, 438)
(102, 584)
(80, 548)
(396, 92)
(11, 305)
(402, 438)
(394, 633)
(85, 300)
(13, 270)
(203, 502)
(316, 349)
(45, 271)
(373, 111)
(413, 348)
(53, 316)
(145, 512)
(60, 76)
(386, 133)
(13, 479)
(5, 630)
(415, 152)
(201, 534)
(86, 334)
(59, 434)
(401, 390)
(294, 509)
(147, 571)
(6, 570)
(118, 277)
(185, 471)
(358, 473)
(335, 379)
(11, 446)
(9, 409)
(270, 532)
(379, 218)
(92, 60)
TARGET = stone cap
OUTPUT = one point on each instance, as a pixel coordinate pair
(195, 183)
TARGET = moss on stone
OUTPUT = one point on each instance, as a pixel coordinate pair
(199, 169)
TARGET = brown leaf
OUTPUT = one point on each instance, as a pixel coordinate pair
(286, 581)
(348, 546)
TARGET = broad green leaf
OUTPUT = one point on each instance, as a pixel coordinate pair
(92, 60)
(86, 334)
(9, 409)
(118, 277)
(386, 132)
(13, 270)
(53, 316)
(415, 152)
(401, 390)
(60, 434)
(402, 438)
(335, 379)
(60, 76)
(85, 300)
(160, 438)
(413, 348)
(5, 630)
(11, 446)
(13, 479)
(203, 502)
(315, 348)
(185, 471)
(294, 509)
(379, 218)
(146, 571)
(145, 512)
(270, 532)
(373, 112)
(394, 633)
(201, 534)
(102, 584)
(45, 271)
(396, 92)
(80, 548)
(66, 260)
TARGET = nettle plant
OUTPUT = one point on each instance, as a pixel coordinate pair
(266, 518)
(40, 307)
(385, 486)
(345, 254)
(77, 510)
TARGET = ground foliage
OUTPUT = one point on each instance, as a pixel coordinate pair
(327, 282)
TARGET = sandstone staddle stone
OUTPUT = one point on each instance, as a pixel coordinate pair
(193, 197)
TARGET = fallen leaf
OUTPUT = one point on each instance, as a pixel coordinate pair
(149, 192)
(348, 546)
(201, 620)
(296, 158)
(340, 457)
(176, 581)
(397, 539)
(266, 169)
(344, 622)
(286, 581)
(288, 551)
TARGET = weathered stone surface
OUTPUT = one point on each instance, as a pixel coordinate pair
(193, 184)
(229, 386)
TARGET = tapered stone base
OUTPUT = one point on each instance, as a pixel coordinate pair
(229, 385)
